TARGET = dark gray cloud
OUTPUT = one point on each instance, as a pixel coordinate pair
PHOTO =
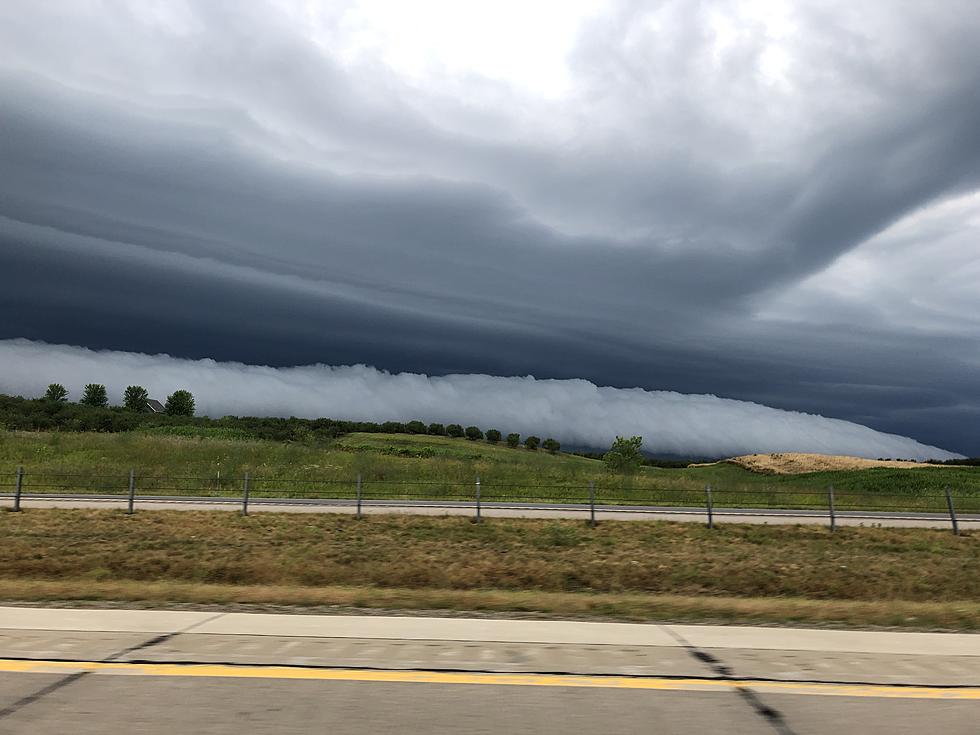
(690, 215)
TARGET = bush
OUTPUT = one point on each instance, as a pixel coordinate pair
(551, 445)
(437, 429)
(473, 433)
(532, 443)
(415, 427)
(56, 392)
(134, 399)
(454, 430)
(624, 454)
(513, 440)
(95, 396)
(393, 427)
(180, 403)
(493, 436)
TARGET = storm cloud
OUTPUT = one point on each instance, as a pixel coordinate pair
(575, 411)
(774, 202)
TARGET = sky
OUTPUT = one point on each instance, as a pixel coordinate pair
(776, 203)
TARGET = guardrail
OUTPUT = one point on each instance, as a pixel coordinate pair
(591, 498)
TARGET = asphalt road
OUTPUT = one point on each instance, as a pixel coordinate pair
(503, 510)
(93, 671)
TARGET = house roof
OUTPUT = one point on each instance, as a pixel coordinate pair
(154, 405)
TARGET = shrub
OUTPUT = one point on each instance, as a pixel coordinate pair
(56, 392)
(624, 454)
(95, 396)
(513, 440)
(180, 403)
(493, 436)
(473, 433)
(415, 427)
(454, 430)
(532, 443)
(551, 445)
(393, 427)
(134, 399)
(437, 429)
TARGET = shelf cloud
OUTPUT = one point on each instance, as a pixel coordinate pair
(774, 201)
(576, 412)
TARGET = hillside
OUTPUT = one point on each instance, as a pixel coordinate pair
(402, 465)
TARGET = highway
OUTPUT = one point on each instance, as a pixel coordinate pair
(501, 510)
(141, 671)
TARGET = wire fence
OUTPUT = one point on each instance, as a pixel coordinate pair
(591, 497)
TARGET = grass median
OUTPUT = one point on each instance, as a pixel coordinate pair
(637, 570)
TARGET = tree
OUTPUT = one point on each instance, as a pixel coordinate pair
(56, 392)
(437, 429)
(95, 395)
(415, 427)
(624, 454)
(180, 403)
(513, 440)
(473, 433)
(134, 399)
(551, 445)
(454, 430)
(532, 443)
(493, 436)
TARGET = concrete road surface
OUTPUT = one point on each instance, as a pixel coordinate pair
(95, 671)
(506, 510)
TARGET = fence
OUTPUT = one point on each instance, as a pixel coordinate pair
(591, 498)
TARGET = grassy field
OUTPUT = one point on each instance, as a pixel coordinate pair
(638, 570)
(397, 465)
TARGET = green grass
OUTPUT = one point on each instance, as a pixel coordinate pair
(637, 570)
(396, 466)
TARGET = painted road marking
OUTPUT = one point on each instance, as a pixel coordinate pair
(224, 671)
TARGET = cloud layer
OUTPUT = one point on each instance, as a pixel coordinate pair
(771, 200)
(576, 412)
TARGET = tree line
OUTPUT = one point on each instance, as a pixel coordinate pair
(135, 398)
(92, 412)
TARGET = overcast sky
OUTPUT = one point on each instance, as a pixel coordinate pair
(767, 201)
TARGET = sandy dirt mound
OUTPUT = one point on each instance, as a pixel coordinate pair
(794, 463)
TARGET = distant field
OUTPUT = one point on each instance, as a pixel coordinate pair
(402, 465)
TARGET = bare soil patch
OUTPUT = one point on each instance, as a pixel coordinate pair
(798, 463)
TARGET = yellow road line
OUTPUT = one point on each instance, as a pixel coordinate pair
(437, 677)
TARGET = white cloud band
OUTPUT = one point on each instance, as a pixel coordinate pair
(576, 412)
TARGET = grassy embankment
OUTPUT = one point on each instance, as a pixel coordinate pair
(394, 465)
(627, 570)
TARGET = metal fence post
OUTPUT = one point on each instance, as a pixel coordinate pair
(830, 504)
(711, 506)
(952, 511)
(479, 515)
(245, 496)
(18, 488)
(358, 494)
(132, 490)
(592, 503)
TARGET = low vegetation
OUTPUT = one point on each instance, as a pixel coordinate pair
(637, 570)
(212, 460)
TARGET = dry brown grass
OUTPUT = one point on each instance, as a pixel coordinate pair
(797, 463)
(452, 553)
(499, 603)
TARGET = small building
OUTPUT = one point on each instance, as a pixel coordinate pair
(154, 406)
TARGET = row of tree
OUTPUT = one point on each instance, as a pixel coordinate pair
(473, 433)
(135, 397)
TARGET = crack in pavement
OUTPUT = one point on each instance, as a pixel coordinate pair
(772, 716)
(72, 678)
